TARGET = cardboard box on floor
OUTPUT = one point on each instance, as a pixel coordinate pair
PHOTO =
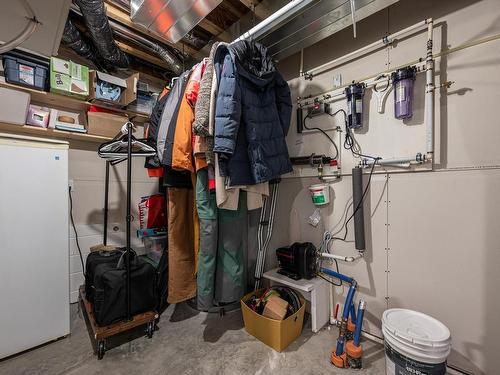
(128, 85)
(105, 124)
(277, 334)
(276, 308)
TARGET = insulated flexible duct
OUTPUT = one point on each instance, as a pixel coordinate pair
(175, 65)
(75, 40)
(357, 204)
(96, 21)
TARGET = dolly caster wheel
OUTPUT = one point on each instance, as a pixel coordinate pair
(100, 350)
(222, 312)
(150, 330)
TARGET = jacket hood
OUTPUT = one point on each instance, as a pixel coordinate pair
(253, 62)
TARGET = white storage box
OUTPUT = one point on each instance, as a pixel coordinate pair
(14, 106)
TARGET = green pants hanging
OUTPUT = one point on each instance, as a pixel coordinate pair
(232, 243)
(223, 241)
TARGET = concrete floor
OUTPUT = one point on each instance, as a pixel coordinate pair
(189, 342)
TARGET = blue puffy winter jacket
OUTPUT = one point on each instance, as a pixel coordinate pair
(252, 116)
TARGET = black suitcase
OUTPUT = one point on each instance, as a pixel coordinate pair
(162, 283)
(110, 299)
(95, 259)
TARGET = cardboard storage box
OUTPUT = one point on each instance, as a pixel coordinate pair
(277, 334)
(128, 86)
(69, 78)
(105, 124)
(57, 116)
(276, 308)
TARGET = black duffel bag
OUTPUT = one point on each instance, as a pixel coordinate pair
(110, 299)
(95, 260)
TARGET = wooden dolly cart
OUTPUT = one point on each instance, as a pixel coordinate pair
(101, 334)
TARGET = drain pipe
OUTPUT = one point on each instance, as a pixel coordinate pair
(96, 20)
(429, 93)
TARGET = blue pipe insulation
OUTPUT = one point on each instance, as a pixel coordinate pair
(359, 322)
(353, 313)
(340, 346)
(337, 275)
(345, 314)
(348, 302)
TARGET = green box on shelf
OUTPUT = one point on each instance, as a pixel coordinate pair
(69, 78)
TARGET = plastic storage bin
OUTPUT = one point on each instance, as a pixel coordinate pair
(154, 246)
(26, 70)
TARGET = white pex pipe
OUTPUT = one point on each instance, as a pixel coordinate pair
(342, 258)
(389, 39)
(429, 92)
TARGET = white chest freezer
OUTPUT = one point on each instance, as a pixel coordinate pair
(34, 244)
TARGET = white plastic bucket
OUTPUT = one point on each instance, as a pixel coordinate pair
(320, 194)
(415, 343)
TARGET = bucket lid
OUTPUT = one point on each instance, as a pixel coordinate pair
(416, 327)
(428, 355)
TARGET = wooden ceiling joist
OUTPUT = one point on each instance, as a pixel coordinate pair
(218, 32)
(141, 54)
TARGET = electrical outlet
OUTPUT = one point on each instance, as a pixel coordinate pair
(71, 184)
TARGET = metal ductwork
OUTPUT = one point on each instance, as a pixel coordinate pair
(171, 19)
(96, 20)
(81, 45)
(174, 63)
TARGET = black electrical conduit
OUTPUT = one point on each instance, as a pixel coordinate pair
(96, 20)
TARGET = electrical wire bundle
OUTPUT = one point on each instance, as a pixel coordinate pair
(324, 133)
(325, 246)
(352, 145)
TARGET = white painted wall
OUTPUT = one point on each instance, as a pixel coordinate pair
(432, 236)
(87, 171)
